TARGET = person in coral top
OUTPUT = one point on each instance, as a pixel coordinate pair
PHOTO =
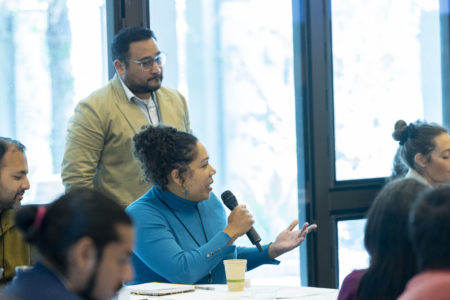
(429, 231)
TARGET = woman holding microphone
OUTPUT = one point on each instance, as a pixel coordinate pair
(183, 234)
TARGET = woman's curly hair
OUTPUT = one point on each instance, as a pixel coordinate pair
(161, 149)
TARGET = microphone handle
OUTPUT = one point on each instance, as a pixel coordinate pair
(254, 237)
(230, 201)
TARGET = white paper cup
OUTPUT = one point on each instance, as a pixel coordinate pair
(235, 272)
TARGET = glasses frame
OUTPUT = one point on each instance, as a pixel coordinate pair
(151, 61)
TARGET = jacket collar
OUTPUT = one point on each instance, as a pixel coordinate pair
(414, 174)
(130, 111)
(7, 220)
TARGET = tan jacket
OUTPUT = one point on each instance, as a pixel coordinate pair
(99, 145)
(13, 249)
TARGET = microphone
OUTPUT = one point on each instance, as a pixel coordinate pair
(230, 201)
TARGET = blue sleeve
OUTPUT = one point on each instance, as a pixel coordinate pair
(255, 258)
(159, 248)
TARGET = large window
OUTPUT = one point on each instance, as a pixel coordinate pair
(351, 252)
(52, 54)
(364, 65)
(386, 66)
(233, 60)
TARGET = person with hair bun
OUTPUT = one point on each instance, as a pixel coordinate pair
(85, 241)
(425, 149)
(182, 231)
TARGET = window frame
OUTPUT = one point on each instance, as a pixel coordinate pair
(122, 14)
(330, 201)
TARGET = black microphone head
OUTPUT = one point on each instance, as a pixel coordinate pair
(229, 200)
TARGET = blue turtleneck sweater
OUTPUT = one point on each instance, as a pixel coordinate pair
(166, 252)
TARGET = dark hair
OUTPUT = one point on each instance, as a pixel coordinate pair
(122, 40)
(6, 143)
(429, 228)
(162, 149)
(417, 137)
(79, 213)
(399, 168)
(392, 261)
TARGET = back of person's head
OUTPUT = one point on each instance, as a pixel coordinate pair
(162, 149)
(54, 229)
(399, 168)
(122, 40)
(392, 261)
(6, 144)
(417, 137)
(429, 229)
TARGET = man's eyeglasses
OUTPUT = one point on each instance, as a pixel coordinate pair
(147, 63)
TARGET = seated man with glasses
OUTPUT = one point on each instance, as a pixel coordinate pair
(98, 150)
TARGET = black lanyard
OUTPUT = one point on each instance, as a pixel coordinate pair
(188, 231)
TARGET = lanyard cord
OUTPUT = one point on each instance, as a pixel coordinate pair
(188, 231)
(154, 99)
(181, 222)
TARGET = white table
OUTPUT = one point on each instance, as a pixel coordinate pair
(221, 292)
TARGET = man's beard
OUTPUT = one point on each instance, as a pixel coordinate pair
(143, 89)
(14, 203)
(88, 291)
(17, 203)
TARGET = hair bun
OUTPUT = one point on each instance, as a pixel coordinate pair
(25, 219)
(402, 131)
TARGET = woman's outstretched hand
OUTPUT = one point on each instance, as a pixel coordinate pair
(289, 239)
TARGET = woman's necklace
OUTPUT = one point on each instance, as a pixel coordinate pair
(188, 231)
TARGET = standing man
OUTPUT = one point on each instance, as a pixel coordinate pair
(13, 184)
(98, 150)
